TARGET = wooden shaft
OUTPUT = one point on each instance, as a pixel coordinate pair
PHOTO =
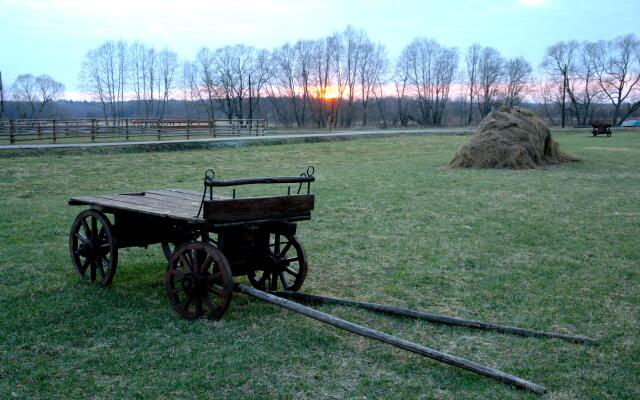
(394, 341)
(442, 319)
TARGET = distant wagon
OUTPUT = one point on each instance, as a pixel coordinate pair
(601, 128)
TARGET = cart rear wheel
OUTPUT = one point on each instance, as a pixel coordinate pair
(284, 265)
(199, 281)
(93, 249)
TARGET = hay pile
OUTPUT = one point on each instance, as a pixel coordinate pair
(508, 138)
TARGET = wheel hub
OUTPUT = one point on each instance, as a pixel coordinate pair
(85, 250)
(275, 263)
(192, 283)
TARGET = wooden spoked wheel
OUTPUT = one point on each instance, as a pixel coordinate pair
(199, 281)
(93, 249)
(284, 265)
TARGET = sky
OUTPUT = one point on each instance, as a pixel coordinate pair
(53, 36)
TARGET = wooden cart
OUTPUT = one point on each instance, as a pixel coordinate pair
(601, 128)
(207, 238)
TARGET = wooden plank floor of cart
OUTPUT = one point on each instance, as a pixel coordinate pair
(184, 205)
(167, 203)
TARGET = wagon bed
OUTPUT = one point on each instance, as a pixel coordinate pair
(218, 211)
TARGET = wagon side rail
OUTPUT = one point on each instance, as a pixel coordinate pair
(261, 180)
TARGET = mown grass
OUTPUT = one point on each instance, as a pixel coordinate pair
(553, 249)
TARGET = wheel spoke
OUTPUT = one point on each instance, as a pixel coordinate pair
(291, 271)
(185, 305)
(94, 229)
(205, 265)
(178, 274)
(93, 270)
(84, 266)
(208, 301)
(214, 277)
(215, 290)
(82, 238)
(176, 291)
(87, 230)
(196, 258)
(101, 269)
(186, 262)
(274, 282)
(292, 259)
(263, 278)
(285, 249)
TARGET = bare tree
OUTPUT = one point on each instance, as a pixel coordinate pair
(204, 80)
(582, 88)
(617, 68)
(35, 94)
(168, 65)
(259, 74)
(517, 72)
(559, 60)
(490, 72)
(431, 69)
(401, 83)
(472, 59)
(373, 67)
(104, 75)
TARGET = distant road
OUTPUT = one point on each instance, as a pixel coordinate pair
(271, 136)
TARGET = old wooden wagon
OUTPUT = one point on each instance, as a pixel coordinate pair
(207, 238)
(601, 128)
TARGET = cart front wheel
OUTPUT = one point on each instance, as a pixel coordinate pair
(284, 264)
(199, 281)
(93, 249)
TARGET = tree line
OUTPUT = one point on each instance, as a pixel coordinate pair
(346, 79)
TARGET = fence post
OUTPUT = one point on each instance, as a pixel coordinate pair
(39, 130)
(126, 124)
(159, 130)
(93, 129)
(54, 131)
(213, 127)
(188, 128)
(12, 131)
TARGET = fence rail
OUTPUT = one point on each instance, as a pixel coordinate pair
(30, 130)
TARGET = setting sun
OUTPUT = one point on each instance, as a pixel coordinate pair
(330, 92)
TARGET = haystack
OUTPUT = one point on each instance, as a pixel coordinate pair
(508, 138)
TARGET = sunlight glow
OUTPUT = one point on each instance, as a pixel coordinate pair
(330, 92)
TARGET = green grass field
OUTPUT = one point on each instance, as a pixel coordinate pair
(553, 249)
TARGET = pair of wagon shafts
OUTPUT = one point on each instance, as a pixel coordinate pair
(255, 238)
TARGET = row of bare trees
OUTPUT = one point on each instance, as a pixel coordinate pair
(346, 79)
(116, 72)
(489, 80)
(309, 82)
(581, 76)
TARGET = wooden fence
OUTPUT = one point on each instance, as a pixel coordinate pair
(51, 130)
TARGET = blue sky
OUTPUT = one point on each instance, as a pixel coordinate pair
(52, 36)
